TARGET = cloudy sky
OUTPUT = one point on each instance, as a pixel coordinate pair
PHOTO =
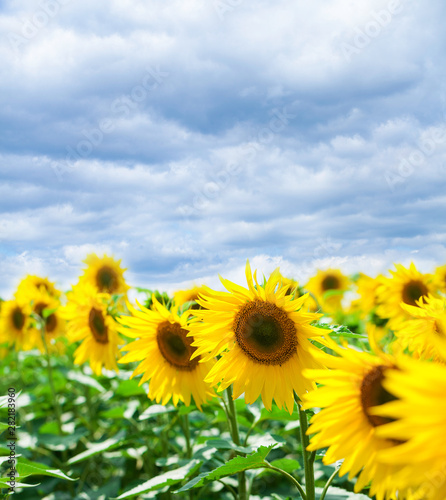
(187, 136)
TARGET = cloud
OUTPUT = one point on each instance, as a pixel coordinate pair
(190, 137)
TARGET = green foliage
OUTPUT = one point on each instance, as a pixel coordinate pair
(115, 443)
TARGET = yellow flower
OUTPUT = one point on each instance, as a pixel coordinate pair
(104, 274)
(419, 421)
(41, 301)
(165, 352)
(426, 330)
(262, 335)
(36, 282)
(180, 297)
(15, 323)
(366, 287)
(406, 286)
(345, 425)
(439, 279)
(328, 288)
(90, 323)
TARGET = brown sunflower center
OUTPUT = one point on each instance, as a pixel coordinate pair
(265, 333)
(107, 279)
(175, 346)
(374, 394)
(413, 290)
(330, 282)
(98, 328)
(50, 321)
(18, 318)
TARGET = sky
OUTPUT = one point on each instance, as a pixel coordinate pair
(185, 137)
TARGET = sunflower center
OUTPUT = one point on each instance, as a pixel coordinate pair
(107, 279)
(50, 321)
(97, 326)
(412, 291)
(175, 346)
(374, 394)
(265, 333)
(18, 318)
(330, 282)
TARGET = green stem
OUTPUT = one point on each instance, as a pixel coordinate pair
(308, 458)
(51, 380)
(186, 430)
(327, 484)
(232, 420)
(290, 477)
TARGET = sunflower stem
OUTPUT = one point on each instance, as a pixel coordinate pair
(233, 427)
(327, 484)
(289, 476)
(50, 379)
(307, 456)
(186, 430)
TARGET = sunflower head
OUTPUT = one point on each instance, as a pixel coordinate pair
(15, 323)
(166, 354)
(406, 286)
(439, 279)
(36, 283)
(424, 333)
(104, 274)
(328, 287)
(262, 335)
(418, 421)
(180, 297)
(89, 322)
(352, 388)
(366, 288)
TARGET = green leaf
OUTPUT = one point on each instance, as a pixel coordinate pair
(60, 443)
(85, 380)
(129, 388)
(4, 483)
(167, 479)
(223, 444)
(286, 464)
(46, 313)
(99, 448)
(27, 468)
(238, 464)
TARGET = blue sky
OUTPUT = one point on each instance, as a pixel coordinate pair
(187, 136)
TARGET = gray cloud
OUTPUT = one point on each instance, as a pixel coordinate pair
(186, 139)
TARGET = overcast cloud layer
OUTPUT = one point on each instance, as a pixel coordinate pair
(187, 136)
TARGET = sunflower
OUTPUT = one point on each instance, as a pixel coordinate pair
(328, 288)
(36, 282)
(15, 323)
(104, 274)
(180, 297)
(439, 279)
(419, 420)
(426, 330)
(90, 323)
(406, 286)
(165, 350)
(353, 385)
(262, 335)
(41, 301)
(366, 288)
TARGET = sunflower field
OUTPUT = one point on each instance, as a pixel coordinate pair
(272, 389)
